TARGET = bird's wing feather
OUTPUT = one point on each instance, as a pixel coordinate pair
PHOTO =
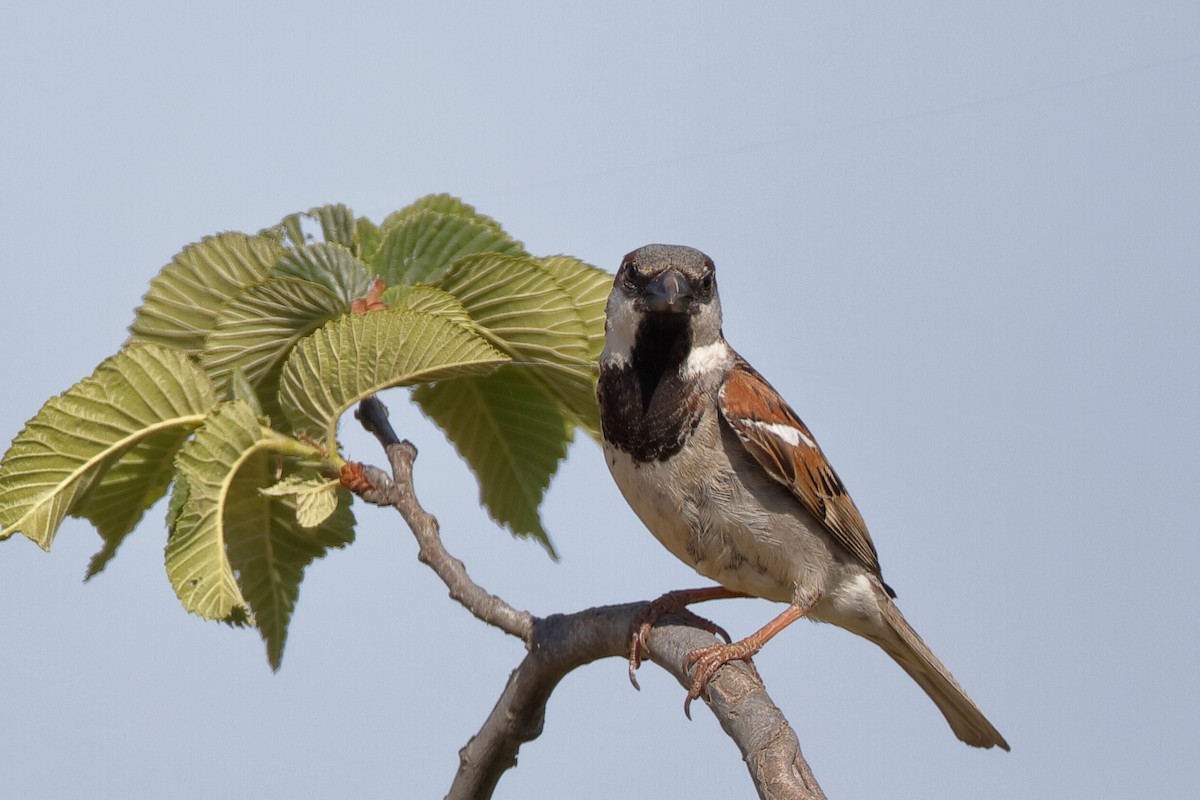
(783, 445)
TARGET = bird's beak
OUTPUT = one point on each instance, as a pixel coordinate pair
(669, 292)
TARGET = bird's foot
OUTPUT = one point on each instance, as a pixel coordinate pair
(707, 660)
(670, 603)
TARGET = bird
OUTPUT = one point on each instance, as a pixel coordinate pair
(729, 479)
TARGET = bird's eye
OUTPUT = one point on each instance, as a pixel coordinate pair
(706, 283)
(629, 275)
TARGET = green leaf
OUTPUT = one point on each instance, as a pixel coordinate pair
(239, 387)
(428, 299)
(422, 246)
(330, 265)
(179, 497)
(511, 434)
(544, 321)
(269, 550)
(269, 547)
(315, 497)
(338, 226)
(367, 238)
(184, 300)
(234, 548)
(522, 303)
(197, 564)
(442, 204)
(117, 503)
(589, 288)
(360, 354)
(337, 223)
(102, 449)
(257, 330)
(291, 228)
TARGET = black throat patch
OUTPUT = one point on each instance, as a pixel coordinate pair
(645, 408)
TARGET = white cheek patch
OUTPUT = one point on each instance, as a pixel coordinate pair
(787, 433)
(619, 332)
(705, 359)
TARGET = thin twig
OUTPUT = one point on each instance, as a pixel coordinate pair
(397, 491)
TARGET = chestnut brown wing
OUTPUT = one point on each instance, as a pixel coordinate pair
(783, 445)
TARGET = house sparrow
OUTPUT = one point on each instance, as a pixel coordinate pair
(727, 477)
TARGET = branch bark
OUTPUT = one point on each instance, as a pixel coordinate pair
(560, 643)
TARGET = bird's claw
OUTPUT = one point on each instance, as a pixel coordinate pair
(707, 660)
(648, 616)
(638, 648)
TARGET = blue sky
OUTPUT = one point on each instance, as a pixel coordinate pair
(962, 242)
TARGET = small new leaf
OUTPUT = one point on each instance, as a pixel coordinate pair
(316, 498)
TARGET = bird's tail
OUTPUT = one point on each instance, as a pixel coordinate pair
(903, 644)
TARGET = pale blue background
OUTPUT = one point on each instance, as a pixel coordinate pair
(962, 240)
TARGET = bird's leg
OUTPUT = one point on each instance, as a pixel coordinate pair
(675, 602)
(708, 660)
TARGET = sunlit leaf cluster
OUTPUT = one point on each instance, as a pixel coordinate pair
(247, 351)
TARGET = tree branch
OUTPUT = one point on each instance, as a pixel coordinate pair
(397, 491)
(560, 643)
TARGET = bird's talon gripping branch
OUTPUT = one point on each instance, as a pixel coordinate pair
(675, 602)
(707, 660)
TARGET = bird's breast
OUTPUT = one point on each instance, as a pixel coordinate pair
(748, 538)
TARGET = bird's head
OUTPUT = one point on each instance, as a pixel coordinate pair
(668, 287)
